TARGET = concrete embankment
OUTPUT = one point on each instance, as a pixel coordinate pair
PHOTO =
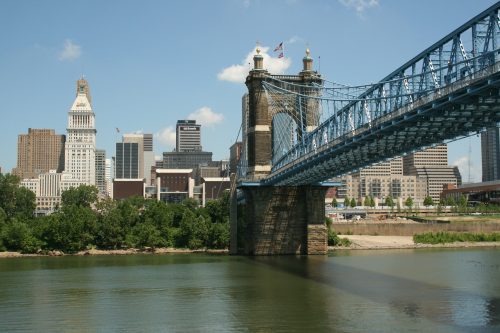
(410, 228)
(366, 242)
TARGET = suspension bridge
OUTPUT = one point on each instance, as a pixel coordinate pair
(302, 130)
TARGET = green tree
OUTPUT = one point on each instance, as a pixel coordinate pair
(18, 236)
(83, 195)
(160, 214)
(219, 236)
(409, 203)
(334, 202)
(372, 202)
(462, 203)
(428, 201)
(367, 201)
(347, 201)
(15, 200)
(144, 235)
(353, 202)
(450, 201)
(389, 201)
(74, 228)
(110, 232)
(191, 203)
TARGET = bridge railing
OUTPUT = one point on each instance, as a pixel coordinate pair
(350, 109)
(321, 137)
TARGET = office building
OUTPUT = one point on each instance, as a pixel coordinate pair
(149, 157)
(234, 156)
(185, 160)
(108, 177)
(100, 171)
(81, 137)
(38, 152)
(188, 136)
(214, 188)
(127, 160)
(490, 154)
(126, 188)
(174, 185)
(431, 165)
(434, 156)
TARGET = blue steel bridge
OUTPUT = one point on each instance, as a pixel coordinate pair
(303, 129)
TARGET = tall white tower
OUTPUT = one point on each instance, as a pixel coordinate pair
(80, 142)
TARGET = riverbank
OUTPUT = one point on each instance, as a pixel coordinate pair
(95, 252)
(369, 242)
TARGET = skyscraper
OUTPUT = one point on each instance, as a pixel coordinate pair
(431, 164)
(38, 152)
(81, 140)
(149, 157)
(100, 171)
(490, 154)
(434, 156)
(127, 160)
(188, 136)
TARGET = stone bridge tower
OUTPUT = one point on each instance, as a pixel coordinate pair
(274, 220)
(259, 132)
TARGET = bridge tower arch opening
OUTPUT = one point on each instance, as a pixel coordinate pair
(276, 220)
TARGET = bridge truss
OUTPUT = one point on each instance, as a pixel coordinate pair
(448, 91)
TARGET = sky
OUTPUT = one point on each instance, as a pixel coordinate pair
(150, 63)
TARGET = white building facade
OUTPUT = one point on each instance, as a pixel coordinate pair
(81, 138)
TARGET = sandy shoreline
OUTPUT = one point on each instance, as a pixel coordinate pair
(366, 242)
(359, 242)
(95, 252)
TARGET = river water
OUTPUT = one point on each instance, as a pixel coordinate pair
(425, 290)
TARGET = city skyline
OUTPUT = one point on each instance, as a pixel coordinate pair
(144, 77)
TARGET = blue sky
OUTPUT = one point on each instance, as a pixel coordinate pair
(150, 63)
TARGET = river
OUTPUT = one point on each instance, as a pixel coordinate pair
(424, 290)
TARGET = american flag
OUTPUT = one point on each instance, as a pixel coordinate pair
(279, 47)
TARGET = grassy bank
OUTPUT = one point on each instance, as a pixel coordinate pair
(451, 237)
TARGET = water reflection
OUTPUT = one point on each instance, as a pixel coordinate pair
(454, 307)
(377, 291)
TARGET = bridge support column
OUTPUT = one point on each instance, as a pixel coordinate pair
(282, 220)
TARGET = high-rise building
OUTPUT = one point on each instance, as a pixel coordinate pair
(108, 178)
(490, 154)
(100, 171)
(139, 139)
(434, 156)
(149, 157)
(185, 160)
(245, 110)
(81, 139)
(188, 136)
(135, 157)
(127, 160)
(432, 166)
(38, 152)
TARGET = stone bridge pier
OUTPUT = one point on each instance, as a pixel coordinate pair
(282, 220)
(274, 220)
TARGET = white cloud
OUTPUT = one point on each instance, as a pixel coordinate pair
(463, 165)
(238, 73)
(359, 5)
(294, 40)
(71, 51)
(166, 136)
(205, 116)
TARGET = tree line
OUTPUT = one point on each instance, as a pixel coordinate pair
(83, 222)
